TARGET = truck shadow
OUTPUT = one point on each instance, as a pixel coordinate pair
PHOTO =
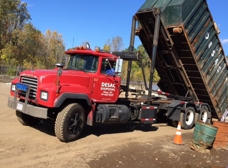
(99, 130)
(46, 128)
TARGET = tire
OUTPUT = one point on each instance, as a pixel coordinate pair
(204, 115)
(187, 118)
(70, 122)
(27, 120)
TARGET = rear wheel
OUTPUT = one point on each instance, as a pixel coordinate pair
(70, 122)
(27, 120)
(204, 115)
(188, 118)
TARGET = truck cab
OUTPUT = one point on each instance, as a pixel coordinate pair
(86, 91)
(100, 77)
(87, 74)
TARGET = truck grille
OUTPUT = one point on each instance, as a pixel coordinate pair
(32, 82)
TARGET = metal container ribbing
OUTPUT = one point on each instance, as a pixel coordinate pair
(190, 58)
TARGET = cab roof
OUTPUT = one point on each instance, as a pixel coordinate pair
(90, 52)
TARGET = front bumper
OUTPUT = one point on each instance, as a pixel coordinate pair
(38, 112)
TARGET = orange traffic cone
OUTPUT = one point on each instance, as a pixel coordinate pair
(178, 137)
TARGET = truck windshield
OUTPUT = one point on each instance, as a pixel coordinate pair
(81, 62)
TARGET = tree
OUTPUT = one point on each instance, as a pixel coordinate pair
(23, 46)
(146, 64)
(21, 43)
(107, 46)
(116, 44)
(52, 49)
(136, 71)
(29, 48)
(13, 16)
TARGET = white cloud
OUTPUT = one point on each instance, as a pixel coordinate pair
(224, 41)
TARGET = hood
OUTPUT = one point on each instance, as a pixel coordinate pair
(50, 76)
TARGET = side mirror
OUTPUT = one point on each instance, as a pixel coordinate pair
(60, 68)
(119, 64)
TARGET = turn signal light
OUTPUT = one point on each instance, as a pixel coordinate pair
(80, 48)
(85, 47)
(97, 49)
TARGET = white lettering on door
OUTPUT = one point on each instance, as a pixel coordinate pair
(107, 88)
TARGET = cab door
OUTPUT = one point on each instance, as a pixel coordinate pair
(106, 86)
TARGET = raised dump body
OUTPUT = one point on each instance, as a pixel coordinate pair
(190, 59)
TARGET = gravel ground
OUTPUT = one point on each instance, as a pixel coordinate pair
(101, 146)
(161, 152)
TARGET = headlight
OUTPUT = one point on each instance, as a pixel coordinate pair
(43, 95)
(13, 87)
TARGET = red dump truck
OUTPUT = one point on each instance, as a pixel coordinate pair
(180, 38)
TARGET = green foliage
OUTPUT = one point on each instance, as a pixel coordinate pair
(116, 44)
(13, 15)
(11, 71)
(22, 44)
(52, 49)
(136, 71)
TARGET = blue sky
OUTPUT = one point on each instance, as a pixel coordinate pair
(98, 21)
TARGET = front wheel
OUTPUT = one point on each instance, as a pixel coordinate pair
(70, 122)
(188, 118)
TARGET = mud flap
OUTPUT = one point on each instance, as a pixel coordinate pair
(148, 114)
(90, 118)
(174, 110)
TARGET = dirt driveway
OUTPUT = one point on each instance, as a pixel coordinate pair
(100, 146)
